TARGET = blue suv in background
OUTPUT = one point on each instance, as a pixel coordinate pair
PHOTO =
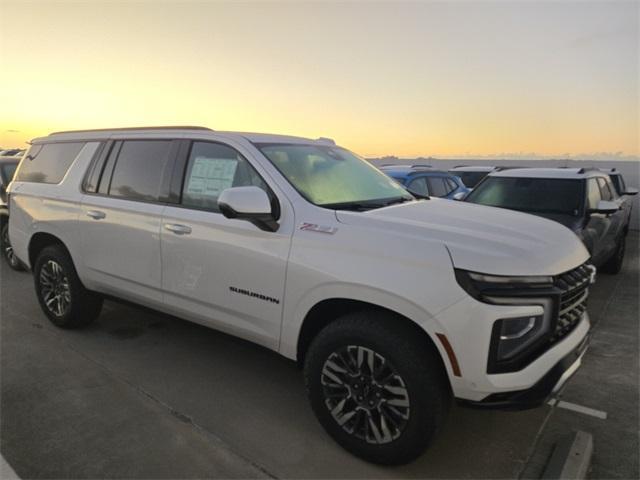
(425, 180)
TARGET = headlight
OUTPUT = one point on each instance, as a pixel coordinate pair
(515, 337)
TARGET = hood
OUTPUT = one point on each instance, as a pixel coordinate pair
(479, 238)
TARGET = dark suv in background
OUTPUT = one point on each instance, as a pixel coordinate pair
(585, 200)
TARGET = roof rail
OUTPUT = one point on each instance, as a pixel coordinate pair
(588, 169)
(164, 127)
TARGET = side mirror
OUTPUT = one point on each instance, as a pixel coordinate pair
(459, 195)
(605, 207)
(248, 203)
(630, 191)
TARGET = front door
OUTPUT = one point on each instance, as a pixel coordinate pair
(226, 273)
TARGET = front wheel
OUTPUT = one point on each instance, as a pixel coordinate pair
(377, 388)
(7, 250)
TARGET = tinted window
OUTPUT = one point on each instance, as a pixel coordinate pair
(471, 179)
(7, 171)
(419, 186)
(604, 189)
(540, 195)
(452, 185)
(438, 187)
(593, 193)
(213, 168)
(48, 163)
(139, 169)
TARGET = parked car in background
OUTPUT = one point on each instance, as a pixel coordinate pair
(392, 305)
(471, 175)
(13, 152)
(8, 167)
(583, 199)
(425, 181)
(619, 183)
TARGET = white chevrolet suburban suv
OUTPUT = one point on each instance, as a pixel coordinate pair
(392, 304)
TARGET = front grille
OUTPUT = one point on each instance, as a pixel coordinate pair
(574, 287)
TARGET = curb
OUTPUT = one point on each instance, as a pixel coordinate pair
(571, 457)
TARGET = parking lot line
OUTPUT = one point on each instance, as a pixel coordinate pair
(578, 408)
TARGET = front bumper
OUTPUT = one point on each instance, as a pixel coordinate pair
(536, 395)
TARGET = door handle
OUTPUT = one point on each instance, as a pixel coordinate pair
(177, 228)
(96, 214)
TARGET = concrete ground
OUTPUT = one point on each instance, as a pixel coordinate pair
(143, 395)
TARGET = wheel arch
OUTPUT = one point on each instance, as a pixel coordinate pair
(40, 241)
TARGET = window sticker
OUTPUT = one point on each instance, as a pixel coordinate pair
(210, 176)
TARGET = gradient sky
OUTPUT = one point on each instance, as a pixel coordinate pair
(410, 79)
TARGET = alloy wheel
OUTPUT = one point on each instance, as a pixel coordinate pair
(365, 394)
(55, 288)
(7, 249)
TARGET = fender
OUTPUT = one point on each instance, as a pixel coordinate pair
(295, 315)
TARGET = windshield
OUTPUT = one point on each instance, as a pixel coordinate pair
(8, 169)
(470, 179)
(333, 177)
(535, 195)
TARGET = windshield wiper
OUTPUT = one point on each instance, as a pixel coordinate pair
(361, 206)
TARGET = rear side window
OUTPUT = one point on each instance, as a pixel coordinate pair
(139, 170)
(48, 163)
(213, 168)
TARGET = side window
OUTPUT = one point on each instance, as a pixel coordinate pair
(212, 168)
(604, 189)
(419, 186)
(593, 193)
(139, 169)
(452, 185)
(48, 163)
(437, 187)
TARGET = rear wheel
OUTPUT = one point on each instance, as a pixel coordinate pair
(60, 292)
(7, 250)
(614, 264)
(376, 388)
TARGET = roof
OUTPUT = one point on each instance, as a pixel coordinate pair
(472, 168)
(105, 133)
(567, 173)
(407, 171)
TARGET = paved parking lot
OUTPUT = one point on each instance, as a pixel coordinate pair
(143, 395)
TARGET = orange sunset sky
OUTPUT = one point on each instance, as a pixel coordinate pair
(408, 79)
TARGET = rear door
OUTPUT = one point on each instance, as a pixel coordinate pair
(225, 273)
(121, 216)
(617, 220)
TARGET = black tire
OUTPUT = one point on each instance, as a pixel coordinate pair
(396, 348)
(614, 264)
(55, 276)
(7, 249)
